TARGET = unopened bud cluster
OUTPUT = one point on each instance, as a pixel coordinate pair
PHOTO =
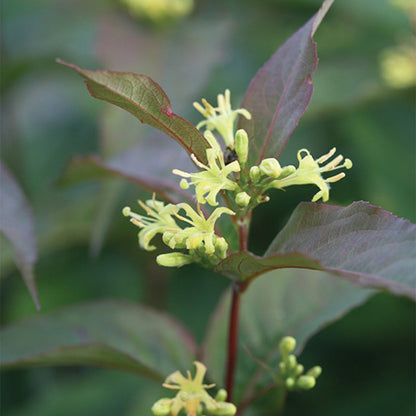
(291, 372)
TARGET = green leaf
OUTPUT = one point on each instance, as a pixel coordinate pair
(283, 302)
(280, 92)
(114, 334)
(146, 100)
(366, 245)
(16, 223)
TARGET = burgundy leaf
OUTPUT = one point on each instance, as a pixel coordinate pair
(281, 91)
(113, 334)
(16, 223)
(146, 100)
(283, 302)
(137, 165)
(362, 243)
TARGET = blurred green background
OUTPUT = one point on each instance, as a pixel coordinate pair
(363, 103)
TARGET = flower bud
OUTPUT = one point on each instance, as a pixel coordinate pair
(286, 171)
(223, 409)
(173, 259)
(221, 395)
(221, 247)
(242, 199)
(255, 173)
(271, 167)
(126, 211)
(241, 145)
(306, 382)
(299, 369)
(291, 362)
(290, 383)
(315, 372)
(287, 345)
(162, 407)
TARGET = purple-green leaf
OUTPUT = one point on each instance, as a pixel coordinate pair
(362, 243)
(146, 100)
(126, 165)
(16, 223)
(114, 334)
(281, 91)
(292, 302)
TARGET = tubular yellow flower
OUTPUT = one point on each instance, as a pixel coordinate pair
(221, 118)
(201, 230)
(158, 220)
(309, 172)
(213, 178)
(192, 393)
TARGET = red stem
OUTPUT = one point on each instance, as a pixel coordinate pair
(232, 342)
(234, 314)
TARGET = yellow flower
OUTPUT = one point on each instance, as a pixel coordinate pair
(201, 231)
(158, 220)
(309, 172)
(192, 393)
(159, 10)
(213, 178)
(221, 118)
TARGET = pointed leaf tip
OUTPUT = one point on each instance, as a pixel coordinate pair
(17, 225)
(147, 101)
(280, 92)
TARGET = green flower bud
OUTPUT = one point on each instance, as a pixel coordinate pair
(299, 369)
(242, 199)
(221, 395)
(290, 383)
(306, 382)
(223, 409)
(287, 345)
(271, 167)
(241, 145)
(282, 368)
(162, 407)
(221, 247)
(291, 362)
(255, 173)
(173, 259)
(286, 171)
(315, 372)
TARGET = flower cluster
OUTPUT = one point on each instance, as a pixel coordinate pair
(192, 396)
(291, 372)
(158, 11)
(193, 234)
(199, 237)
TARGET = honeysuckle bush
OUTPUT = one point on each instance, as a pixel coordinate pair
(202, 215)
